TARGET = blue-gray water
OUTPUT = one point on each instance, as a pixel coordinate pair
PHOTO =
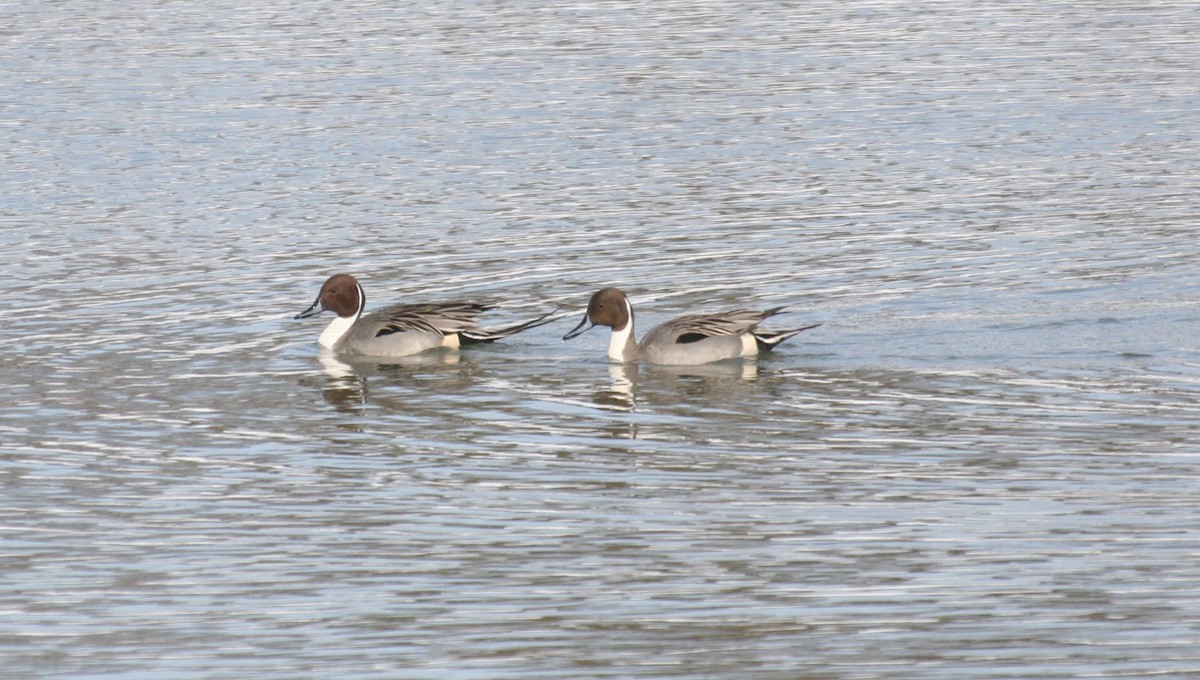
(982, 465)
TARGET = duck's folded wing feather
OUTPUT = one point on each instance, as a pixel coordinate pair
(441, 318)
(696, 327)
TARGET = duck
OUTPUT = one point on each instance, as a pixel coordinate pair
(400, 329)
(688, 340)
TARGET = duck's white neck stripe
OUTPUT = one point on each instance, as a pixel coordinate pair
(362, 300)
(342, 324)
(621, 342)
(335, 330)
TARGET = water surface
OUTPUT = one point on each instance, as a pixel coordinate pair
(981, 465)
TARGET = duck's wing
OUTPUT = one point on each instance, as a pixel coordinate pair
(697, 327)
(442, 318)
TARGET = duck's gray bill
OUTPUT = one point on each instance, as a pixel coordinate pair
(311, 311)
(583, 327)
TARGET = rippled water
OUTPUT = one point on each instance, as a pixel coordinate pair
(982, 464)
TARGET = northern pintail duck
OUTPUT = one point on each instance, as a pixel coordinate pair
(399, 330)
(684, 341)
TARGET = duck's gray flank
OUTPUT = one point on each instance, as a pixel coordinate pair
(401, 329)
(686, 340)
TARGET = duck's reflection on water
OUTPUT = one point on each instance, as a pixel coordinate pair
(619, 395)
(622, 392)
(347, 377)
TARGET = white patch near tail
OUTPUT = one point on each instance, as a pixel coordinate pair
(451, 340)
(749, 345)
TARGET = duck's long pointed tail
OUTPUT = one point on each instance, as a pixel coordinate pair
(475, 336)
(767, 340)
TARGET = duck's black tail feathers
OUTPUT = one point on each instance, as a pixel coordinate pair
(475, 336)
(767, 340)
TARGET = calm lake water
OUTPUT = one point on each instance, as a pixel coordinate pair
(982, 465)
